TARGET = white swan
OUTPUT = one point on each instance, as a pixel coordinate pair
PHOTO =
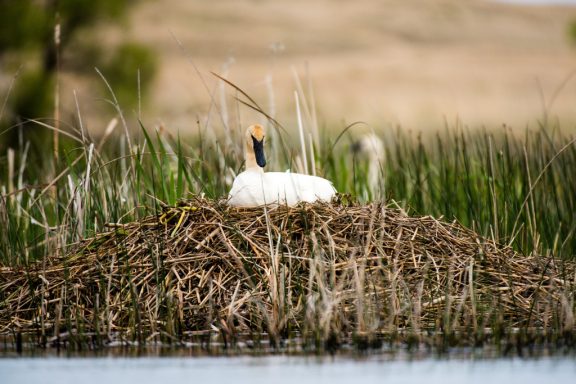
(254, 187)
(371, 148)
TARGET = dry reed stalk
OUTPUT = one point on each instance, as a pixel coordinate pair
(319, 270)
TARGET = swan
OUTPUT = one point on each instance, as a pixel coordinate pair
(254, 187)
(371, 148)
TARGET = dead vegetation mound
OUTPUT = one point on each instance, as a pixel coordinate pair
(322, 269)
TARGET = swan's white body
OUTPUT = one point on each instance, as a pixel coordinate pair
(254, 187)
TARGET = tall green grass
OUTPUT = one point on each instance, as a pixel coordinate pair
(518, 188)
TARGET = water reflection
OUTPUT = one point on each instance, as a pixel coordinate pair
(284, 369)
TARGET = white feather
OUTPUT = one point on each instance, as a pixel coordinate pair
(253, 188)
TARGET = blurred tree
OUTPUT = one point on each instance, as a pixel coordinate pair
(27, 38)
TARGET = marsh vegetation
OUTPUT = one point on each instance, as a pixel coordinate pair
(468, 235)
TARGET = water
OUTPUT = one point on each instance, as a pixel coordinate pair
(284, 369)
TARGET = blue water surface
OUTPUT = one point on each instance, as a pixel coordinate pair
(285, 369)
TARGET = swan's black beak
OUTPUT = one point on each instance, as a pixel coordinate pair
(259, 151)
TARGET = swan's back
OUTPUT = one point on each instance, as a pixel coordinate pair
(252, 188)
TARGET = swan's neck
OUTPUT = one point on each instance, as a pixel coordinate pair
(251, 164)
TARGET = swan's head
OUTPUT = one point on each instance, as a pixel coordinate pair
(255, 143)
(369, 146)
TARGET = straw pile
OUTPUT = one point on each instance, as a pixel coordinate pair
(321, 269)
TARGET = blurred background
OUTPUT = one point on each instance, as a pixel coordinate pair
(418, 64)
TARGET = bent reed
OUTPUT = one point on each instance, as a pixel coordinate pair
(320, 271)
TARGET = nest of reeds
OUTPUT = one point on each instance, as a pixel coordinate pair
(322, 269)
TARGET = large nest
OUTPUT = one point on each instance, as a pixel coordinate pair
(321, 269)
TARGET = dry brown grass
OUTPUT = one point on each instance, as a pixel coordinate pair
(320, 271)
(411, 63)
(417, 64)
